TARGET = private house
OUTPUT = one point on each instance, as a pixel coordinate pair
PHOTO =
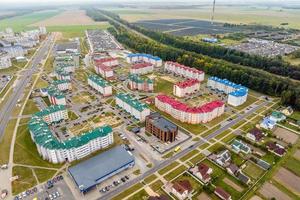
(275, 148)
(238, 146)
(181, 189)
(223, 158)
(255, 135)
(232, 169)
(203, 172)
(277, 116)
(267, 123)
(243, 178)
(222, 194)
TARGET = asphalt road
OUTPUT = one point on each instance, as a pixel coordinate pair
(163, 164)
(26, 76)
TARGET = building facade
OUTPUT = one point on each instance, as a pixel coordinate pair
(57, 151)
(141, 84)
(141, 57)
(187, 87)
(107, 61)
(142, 68)
(161, 128)
(187, 114)
(62, 85)
(237, 94)
(133, 106)
(104, 71)
(184, 71)
(55, 96)
(100, 85)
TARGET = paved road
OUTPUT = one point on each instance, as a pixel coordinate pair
(17, 92)
(163, 164)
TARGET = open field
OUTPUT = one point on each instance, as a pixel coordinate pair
(232, 14)
(6, 140)
(288, 179)
(253, 170)
(286, 135)
(26, 179)
(68, 17)
(20, 23)
(268, 191)
(232, 184)
(293, 165)
(297, 155)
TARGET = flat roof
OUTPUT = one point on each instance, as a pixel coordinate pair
(88, 173)
(162, 123)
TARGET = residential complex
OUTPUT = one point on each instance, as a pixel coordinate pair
(133, 106)
(237, 94)
(184, 88)
(160, 127)
(184, 71)
(55, 96)
(142, 68)
(5, 61)
(141, 57)
(187, 114)
(100, 85)
(141, 84)
(105, 71)
(77, 147)
(107, 61)
(62, 85)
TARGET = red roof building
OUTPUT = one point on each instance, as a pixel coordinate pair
(184, 71)
(222, 194)
(186, 87)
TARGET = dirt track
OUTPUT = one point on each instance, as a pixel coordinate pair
(69, 17)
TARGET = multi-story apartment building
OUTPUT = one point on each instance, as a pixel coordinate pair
(187, 114)
(237, 94)
(107, 61)
(133, 106)
(61, 74)
(184, 71)
(161, 128)
(62, 85)
(141, 57)
(105, 71)
(189, 86)
(55, 96)
(100, 85)
(5, 61)
(142, 68)
(141, 84)
(57, 151)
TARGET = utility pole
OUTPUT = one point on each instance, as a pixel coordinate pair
(213, 12)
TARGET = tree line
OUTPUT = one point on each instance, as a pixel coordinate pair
(253, 78)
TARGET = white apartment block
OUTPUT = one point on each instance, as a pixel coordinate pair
(184, 71)
(108, 62)
(134, 107)
(186, 87)
(100, 85)
(105, 71)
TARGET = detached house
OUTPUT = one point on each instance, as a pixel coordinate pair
(181, 189)
(203, 172)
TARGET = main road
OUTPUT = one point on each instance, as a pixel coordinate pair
(22, 82)
(166, 162)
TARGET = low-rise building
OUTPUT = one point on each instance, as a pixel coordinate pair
(255, 135)
(161, 128)
(267, 123)
(237, 94)
(141, 57)
(14, 51)
(222, 194)
(133, 106)
(142, 68)
(184, 71)
(100, 85)
(277, 116)
(181, 189)
(57, 151)
(60, 74)
(184, 88)
(203, 172)
(238, 146)
(187, 114)
(66, 63)
(107, 61)
(141, 84)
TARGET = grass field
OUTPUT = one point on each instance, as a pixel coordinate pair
(26, 179)
(30, 108)
(293, 165)
(253, 170)
(150, 178)
(175, 173)
(128, 191)
(168, 168)
(140, 195)
(20, 23)
(6, 140)
(44, 174)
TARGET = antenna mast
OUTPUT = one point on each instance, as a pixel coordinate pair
(213, 12)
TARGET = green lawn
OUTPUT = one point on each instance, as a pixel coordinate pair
(197, 158)
(25, 181)
(71, 31)
(168, 168)
(189, 155)
(128, 192)
(295, 115)
(26, 151)
(293, 165)
(210, 131)
(156, 185)
(6, 140)
(41, 84)
(250, 100)
(30, 108)
(150, 178)
(163, 86)
(226, 132)
(44, 174)
(253, 170)
(216, 147)
(20, 23)
(140, 195)
(72, 115)
(175, 173)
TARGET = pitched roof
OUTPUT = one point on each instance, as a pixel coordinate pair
(222, 193)
(182, 185)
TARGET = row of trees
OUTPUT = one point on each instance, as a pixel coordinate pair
(253, 78)
(273, 65)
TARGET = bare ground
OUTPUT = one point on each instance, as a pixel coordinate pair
(288, 179)
(269, 191)
(297, 154)
(69, 17)
(203, 196)
(233, 185)
(286, 135)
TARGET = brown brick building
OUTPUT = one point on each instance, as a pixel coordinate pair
(162, 128)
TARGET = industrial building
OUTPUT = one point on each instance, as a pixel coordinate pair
(160, 127)
(141, 84)
(141, 57)
(100, 85)
(57, 151)
(185, 113)
(184, 88)
(237, 94)
(184, 71)
(93, 171)
(133, 106)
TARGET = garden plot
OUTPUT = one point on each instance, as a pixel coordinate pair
(270, 191)
(297, 154)
(286, 135)
(288, 179)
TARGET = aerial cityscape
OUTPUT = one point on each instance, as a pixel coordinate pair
(154, 100)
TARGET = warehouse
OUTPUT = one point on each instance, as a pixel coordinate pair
(89, 173)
